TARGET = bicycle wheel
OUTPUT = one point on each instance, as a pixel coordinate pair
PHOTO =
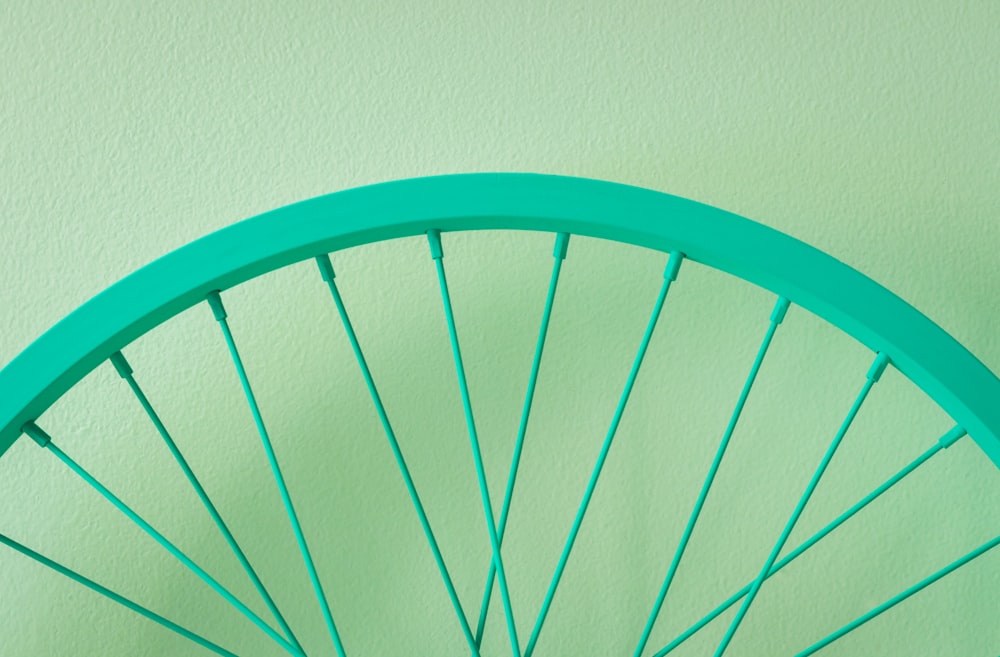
(354, 394)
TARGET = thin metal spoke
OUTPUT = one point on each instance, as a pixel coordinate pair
(123, 368)
(892, 602)
(947, 440)
(559, 254)
(215, 302)
(669, 275)
(326, 270)
(777, 315)
(44, 440)
(437, 254)
(873, 375)
(120, 599)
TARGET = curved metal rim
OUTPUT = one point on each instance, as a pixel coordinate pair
(964, 387)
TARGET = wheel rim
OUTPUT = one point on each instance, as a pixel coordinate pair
(944, 370)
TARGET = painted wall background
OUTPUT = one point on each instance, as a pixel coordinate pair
(130, 129)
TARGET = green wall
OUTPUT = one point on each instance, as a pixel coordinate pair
(868, 131)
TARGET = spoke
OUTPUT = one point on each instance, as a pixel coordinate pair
(947, 440)
(559, 254)
(916, 588)
(437, 254)
(44, 440)
(125, 371)
(326, 269)
(120, 599)
(777, 315)
(669, 275)
(215, 301)
(873, 375)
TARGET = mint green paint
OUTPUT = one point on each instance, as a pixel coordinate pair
(865, 129)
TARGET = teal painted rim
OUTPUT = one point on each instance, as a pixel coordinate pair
(947, 372)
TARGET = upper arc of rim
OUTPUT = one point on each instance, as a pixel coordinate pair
(964, 387)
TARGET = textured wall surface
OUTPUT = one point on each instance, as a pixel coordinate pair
(869, 130)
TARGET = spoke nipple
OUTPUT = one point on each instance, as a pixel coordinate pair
(562, 244)
(878, 367)
(325, 267)
(35, 432)
(121, 365)
(215, 301)
(434, 237)
(673, 265)
(951, 437)
(780, 308)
